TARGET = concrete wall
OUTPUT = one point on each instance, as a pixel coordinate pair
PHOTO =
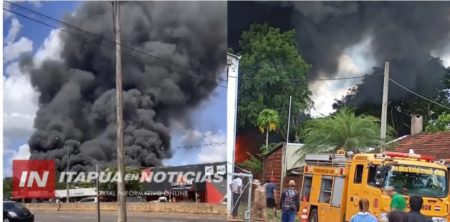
(190, 208)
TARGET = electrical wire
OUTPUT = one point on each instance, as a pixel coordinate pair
(111, 43)
(417, 94)
(98, 35)
(199, 146)
(161, 59)
(300, 79)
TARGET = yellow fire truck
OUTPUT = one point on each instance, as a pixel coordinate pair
(333, 184)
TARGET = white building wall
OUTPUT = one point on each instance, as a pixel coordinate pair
(232, 93)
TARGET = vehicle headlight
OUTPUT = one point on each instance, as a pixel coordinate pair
(438, 219)
(12, 214)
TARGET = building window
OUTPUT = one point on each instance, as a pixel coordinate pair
(306, 190)
(325, 190)
(338, 190)
(358, 174)
(371, 175)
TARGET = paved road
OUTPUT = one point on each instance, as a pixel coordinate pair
(132, 217)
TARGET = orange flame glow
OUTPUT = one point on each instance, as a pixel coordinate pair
(245, 144)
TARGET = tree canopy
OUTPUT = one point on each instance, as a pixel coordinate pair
(268, 120)
(7, 188)
(271, 70)
(254, 164)
(442, 123)
(343, 130)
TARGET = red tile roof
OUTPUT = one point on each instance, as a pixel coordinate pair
(435, 144)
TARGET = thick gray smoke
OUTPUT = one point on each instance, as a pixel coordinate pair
(77, 95)
(404, 33)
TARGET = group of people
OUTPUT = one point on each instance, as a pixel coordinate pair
(264, 200)
(398, 206)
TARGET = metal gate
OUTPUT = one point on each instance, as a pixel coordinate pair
(243, 201)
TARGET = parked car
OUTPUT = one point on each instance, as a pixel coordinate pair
(15, 212)
(162, 199)
(89, 200)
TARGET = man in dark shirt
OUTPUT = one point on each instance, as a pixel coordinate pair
(414, 215)
(270, 188)
(290, 203)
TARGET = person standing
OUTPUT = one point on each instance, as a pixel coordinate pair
(289, 203)
(270, 189)
(236, 189)
(397, 216)
(398, 202)
(363, 215)
(414, 215)
(259, 201)
(59, 203)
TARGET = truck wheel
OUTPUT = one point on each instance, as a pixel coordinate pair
(313, 216)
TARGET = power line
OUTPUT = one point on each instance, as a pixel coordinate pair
(97, 35)
(167, 62)
(303, 79)
(418, 95)
(159, 58)
(199, 146)
(103, 40)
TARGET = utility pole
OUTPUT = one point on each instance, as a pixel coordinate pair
(284, 151)
(67, 173)
(98, 191)
(384, 107)
(69, 144)
(289, 120)
(121, 208)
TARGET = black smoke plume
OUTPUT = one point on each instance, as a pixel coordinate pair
(77, 94)
(404, 33)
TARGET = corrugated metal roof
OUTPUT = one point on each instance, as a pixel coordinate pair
(292, 156)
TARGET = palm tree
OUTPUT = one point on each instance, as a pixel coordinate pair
(268, 120)
(254, 164)
(341, 131)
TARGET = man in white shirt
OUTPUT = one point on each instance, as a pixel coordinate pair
(59, 203)
(236, 189)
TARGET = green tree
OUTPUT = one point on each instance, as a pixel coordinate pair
(130, 185)
(343, 130)
(442, 123)
(254, 164)
(7, 188)
(268, 120)
(271, 70)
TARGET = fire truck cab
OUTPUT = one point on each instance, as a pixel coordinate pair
(333, 184)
